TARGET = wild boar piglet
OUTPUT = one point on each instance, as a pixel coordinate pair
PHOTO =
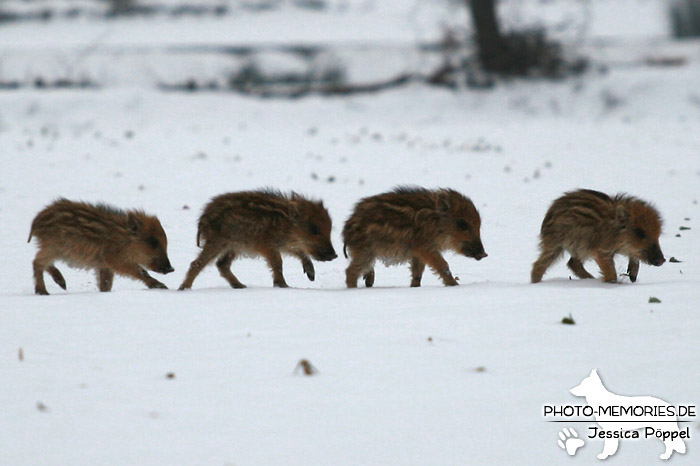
(263, 223)
(99, 237)
(411, 224)
(592, 225)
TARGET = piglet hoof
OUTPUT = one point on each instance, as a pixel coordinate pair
(238, 286)
(60, 281)
(41, 292)
(450, 281)
(158, 285)
(308, 268)
(633, 270)
(369, 279)
(281, 285)
(183, 288)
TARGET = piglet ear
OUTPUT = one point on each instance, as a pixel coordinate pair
(133, 223)
(443, 202)
(621, 216)
(294, 211)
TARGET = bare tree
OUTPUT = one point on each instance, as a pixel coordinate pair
(523, 53)
(491, 46)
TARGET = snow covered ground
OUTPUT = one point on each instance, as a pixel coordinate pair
(427, 376)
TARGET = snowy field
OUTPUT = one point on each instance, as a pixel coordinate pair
(426, 376)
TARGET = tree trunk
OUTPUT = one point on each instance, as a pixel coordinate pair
(493, 51)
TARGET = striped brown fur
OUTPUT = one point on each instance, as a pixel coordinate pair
(411, 224)
(592, 225)
(99, 237)
(263, 223)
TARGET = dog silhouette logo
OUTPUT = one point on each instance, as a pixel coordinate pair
(622, 417)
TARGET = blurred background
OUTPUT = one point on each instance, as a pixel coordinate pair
(292, 48)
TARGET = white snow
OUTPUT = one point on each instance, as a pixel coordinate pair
(399, 380)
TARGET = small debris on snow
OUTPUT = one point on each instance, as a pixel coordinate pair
(674, 260)
(568, 320)
(654, 299)
(170, 375)
(305, 367)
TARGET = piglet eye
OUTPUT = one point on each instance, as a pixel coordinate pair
(463, 225)
(152, 242)
(639, 233)
(314, 229)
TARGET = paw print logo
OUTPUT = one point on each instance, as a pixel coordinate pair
(569, 441)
